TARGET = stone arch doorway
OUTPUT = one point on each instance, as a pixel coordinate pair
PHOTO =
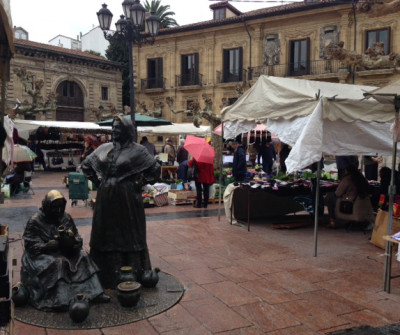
(69, 102)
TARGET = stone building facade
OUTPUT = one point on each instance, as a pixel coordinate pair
(218, 58)
(83, 82)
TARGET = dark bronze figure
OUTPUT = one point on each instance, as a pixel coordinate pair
(52, 274)
(118, 236)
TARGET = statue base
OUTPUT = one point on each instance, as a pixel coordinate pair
(152, 301)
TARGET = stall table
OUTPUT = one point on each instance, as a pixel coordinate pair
(256, 203)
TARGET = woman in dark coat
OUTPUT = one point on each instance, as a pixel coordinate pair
(118, 236)
(52, 276)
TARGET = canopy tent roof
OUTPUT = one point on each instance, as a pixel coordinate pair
(141, 121)
(389, 94)
(314, 118)
(273, 98)
(24, 127)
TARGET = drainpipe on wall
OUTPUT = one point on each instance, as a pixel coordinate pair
(250, 74)
(355, 37)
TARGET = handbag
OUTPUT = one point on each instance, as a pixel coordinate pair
(346, 206)
(57, 160)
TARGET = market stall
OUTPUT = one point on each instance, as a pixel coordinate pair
(327, 117)
(62, 142)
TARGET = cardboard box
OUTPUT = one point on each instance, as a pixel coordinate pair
(380, 228)
(177, 195)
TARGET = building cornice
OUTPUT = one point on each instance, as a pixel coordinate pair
(252, 15)
(39, 50)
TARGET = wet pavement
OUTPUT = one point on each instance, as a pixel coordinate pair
(265, 281)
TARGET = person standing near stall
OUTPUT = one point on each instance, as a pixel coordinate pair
(182, 154)
(170, 150)
(268, 155)
(239, 168)
(203, 182)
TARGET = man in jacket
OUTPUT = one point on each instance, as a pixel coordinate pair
(268, 155)
(239, 168)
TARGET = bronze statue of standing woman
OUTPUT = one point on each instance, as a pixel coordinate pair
(118, 236)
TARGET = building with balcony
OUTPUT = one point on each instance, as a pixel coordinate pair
(213, 58)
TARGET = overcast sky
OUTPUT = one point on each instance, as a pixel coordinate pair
(45, 19)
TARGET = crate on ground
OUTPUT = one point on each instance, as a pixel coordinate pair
(177, 194)
(178, 202)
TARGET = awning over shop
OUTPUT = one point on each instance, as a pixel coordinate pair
(24, 127)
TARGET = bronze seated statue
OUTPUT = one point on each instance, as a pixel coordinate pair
(54, 267)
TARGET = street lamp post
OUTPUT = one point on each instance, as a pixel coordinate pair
(129, 28)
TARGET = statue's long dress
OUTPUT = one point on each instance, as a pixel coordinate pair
(118, 236)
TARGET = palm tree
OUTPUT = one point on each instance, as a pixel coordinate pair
(162, 12)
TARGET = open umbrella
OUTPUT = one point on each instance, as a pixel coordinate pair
(23, 154)
(200, 150)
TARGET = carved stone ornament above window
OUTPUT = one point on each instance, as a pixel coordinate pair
(272, 49)
(327, 35)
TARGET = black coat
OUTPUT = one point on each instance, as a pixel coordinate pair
(239, 168)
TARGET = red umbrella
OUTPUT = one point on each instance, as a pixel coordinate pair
(200, 150)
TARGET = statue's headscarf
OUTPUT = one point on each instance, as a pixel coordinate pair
(51, 199)
(127, 127)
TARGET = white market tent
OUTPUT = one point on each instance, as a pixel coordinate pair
(24, 127)
(321, 117)
(314, 118)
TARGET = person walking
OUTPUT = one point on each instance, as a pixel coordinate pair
(182, 154)
(205, 179)
(239, 168)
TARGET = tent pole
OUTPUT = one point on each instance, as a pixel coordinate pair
(220, 172)
(316, 206)
(392, 191)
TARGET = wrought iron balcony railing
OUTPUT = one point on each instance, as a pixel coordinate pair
(151, 83)
(316, 67)
(189, 79)
(223, 77)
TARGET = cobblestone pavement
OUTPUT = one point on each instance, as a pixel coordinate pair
(265, 281)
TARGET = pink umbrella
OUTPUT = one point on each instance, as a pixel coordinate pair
(200, 150)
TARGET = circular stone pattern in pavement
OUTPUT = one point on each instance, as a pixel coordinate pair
(152, 301)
